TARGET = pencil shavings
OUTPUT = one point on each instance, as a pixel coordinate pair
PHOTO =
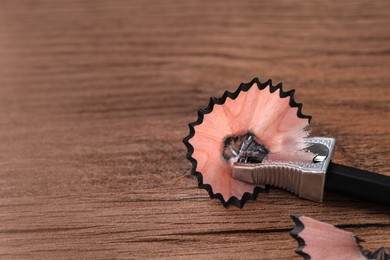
(255, 111)
(318, 240)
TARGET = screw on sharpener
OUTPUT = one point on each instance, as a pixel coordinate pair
(307, 180)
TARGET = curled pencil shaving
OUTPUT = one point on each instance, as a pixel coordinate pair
(319, 240)
(258, 116)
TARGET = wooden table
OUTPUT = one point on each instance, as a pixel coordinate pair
(95, 98)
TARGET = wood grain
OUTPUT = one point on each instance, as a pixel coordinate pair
(95, 97)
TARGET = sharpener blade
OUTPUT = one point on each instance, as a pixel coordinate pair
(307, 180)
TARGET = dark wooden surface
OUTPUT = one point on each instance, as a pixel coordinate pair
(95, 97)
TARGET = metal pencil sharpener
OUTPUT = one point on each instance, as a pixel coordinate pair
(307, 180)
